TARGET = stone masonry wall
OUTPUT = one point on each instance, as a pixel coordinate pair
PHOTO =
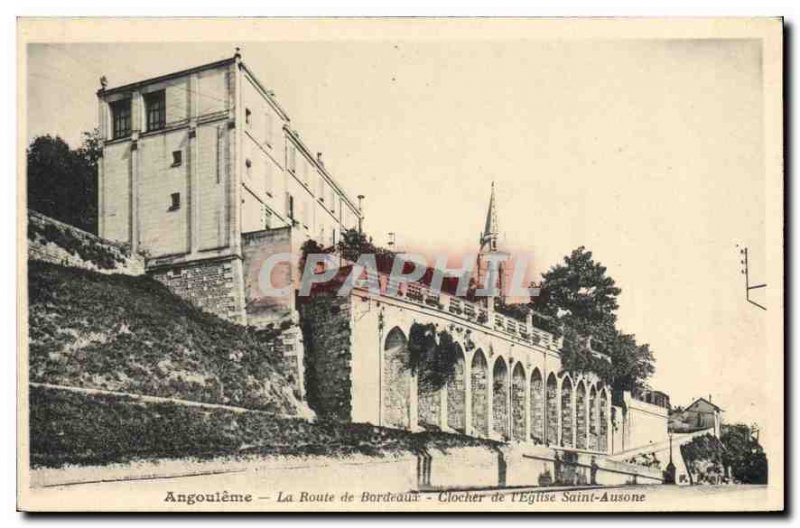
(52, 241)
(214, 285)
(325, 321)
(264, 309)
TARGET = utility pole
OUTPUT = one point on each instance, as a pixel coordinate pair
(669, 474)
(746, 272)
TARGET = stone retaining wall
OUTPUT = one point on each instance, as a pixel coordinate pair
(56, 242)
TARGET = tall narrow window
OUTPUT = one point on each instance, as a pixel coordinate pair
(268, 129)
(292, 161)
(121, 118)
(266, 217)
(268, 177)
(156, 109)
(248, 116)
(290, 206)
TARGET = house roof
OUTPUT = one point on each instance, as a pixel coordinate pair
(698, 400)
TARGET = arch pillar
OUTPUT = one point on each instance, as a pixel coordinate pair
(413, 404)
(490, 401)
(573, 396)
(609, 432)
(527, 411)
(443, 425)
(560, 435)
(588, 416)
(468, 396)
(509, 399)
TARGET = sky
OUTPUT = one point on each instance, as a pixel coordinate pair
(648, 152)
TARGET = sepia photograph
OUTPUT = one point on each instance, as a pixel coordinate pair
(400, 265)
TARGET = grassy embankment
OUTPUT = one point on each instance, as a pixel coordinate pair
(130, 334)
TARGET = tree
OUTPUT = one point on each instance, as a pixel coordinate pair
(579, 292)
(62, 182)
(743, 454)
(433, 360)
(582, 298)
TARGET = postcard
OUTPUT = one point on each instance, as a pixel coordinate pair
(401, 264)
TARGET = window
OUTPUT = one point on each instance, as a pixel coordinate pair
(292, 158)
(247, 116)
(321, 188)
(248, 164)
(177, 158)
(266, 217)
(175, 201)
(156, 109)
(332, 195)
(268, 129)
(290, 206)
(121, 118)
(268, 178)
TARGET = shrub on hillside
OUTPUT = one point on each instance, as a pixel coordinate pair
(131, 334)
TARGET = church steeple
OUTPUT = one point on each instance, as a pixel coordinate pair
(490, 230)
(489, 239)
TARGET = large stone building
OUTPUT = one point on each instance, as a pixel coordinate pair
(202, 172)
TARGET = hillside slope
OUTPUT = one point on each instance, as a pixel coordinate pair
(130, 334)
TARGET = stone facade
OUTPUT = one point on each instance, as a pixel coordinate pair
(263, 309)
(213, 285)
(195, 159)
(357, 359)
(327, 343)
(202, 173)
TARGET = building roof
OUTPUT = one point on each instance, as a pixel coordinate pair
(166, 77)
(703, 400)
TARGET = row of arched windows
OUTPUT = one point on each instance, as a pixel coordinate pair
(513, 406)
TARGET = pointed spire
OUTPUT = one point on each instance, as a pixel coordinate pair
(490, 230)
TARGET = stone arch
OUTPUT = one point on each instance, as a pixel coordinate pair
(396, 383)
(552, 409)
(580, 415)
(567, 412)
(518, 389)
(500, 388)
(602, 416)
(537, 407)
(456, 394)
(593, 443)
(479, 374)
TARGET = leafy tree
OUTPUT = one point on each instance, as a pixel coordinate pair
(432, 359)
(354, 243)
(743, 454)
(703, 458)
(62, 182)
(582, 298)
(579, 292)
